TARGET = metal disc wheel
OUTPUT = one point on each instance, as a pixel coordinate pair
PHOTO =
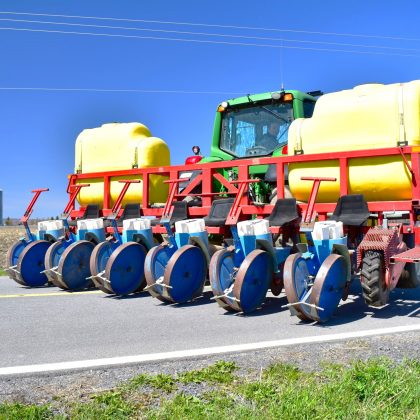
(154, 268)
(52, 258)
(295, 277)
(253, 280)
(98, 261)
(74, 266)
(375, 290)
(328, 287)
(125, 269)
(185, 273)
(31, 263)
(221, 274)
(12, 257)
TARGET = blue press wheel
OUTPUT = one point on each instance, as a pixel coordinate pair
(295, 278)
(154, 268)
(328, 287)
(31, 263)
(12, 257)
(221, 275)
(97, 263)
(52, 258)
(74, 265)
(186, 273)
(125, 269)
(253, 280)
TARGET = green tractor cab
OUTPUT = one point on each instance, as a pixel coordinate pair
(257, 126)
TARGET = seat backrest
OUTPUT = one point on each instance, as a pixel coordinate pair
(220, 208)
(351, 204)
(180, 210)
(131, 211)
(284, 211)
(91, 212)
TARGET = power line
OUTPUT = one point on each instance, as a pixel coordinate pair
(212, 25)
(201, 41)
(208, 34)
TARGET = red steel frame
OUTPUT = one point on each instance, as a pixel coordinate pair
(209, 172)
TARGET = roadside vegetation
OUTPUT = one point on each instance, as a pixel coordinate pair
(376, 389)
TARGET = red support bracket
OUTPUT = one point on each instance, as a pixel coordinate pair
(172, 191)
(407, 164)
(28, 211)
(235, 210)
(75, 189)
(194, 183)
(227, 184)
(309, 213)
(117, 205)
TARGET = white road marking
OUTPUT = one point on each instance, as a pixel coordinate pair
(124, 360)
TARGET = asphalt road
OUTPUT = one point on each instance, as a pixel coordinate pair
(48, 325)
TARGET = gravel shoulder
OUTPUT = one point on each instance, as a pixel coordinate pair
(79, 385)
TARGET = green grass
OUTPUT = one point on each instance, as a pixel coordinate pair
(3, 273)
(377, 389)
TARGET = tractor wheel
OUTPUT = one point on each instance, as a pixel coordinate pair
(375, 291)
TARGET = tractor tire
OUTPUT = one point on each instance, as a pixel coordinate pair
(410, 277)
(372, 279)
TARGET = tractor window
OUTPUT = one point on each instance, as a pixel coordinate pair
(308, 108)
(257, 130)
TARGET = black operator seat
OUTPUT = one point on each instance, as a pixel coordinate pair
(180, 213)
(219, 212)
(91, 212)
(285, 212)
(352, 210)
(131, 211)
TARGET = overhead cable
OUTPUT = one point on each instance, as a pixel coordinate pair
(202, 41)
(208, 34)
(163, 22)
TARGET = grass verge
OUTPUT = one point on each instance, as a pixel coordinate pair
(3, 273)
(375, 389)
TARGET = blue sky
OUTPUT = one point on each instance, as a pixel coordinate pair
(38, 128)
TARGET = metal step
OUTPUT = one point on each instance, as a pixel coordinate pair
(410, 256)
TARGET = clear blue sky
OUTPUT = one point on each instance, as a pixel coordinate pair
(38, 128)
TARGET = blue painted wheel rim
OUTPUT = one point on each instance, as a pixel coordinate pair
(186, 273)
(328, 286)
(12, 258)
(253, 280)
(100, 256)
(221, 274)
(154, 266)
(125, 268)
(74, 265)
(32, 262)
(52, 259)
(296, 277)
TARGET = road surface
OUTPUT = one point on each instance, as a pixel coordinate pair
(48, 325)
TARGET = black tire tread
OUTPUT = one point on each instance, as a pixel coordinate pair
(375, 292)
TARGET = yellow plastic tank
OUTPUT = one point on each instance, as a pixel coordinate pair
(369, 116)
(120, 146)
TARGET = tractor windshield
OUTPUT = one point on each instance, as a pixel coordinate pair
(257, 130)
